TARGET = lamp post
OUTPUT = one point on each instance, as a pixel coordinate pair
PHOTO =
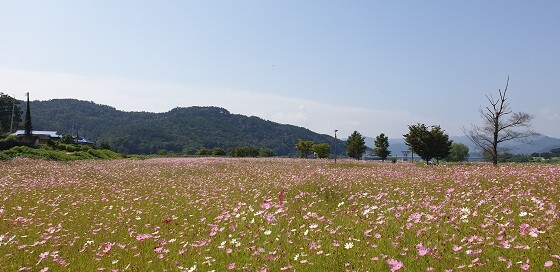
(335, 131)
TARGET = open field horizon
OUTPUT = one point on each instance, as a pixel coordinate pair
(217, 214)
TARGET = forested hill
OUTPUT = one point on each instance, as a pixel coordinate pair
(181, 130)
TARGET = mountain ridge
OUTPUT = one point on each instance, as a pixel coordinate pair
(180, 130)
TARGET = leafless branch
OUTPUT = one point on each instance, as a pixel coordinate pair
(495, 129)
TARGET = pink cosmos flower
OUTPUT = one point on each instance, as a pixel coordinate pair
(548, 264)
(422, 250)
(142, 237)
(286, 267)
(395, 265)
(266, 204)
(523, 228)
(525, 266)
(231, 266)
(42, 256)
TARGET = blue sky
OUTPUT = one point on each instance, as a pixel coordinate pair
(371, 66)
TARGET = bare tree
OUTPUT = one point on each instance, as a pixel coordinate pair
(499, 125)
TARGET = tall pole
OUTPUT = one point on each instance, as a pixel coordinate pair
(13, 110)
(335, 151)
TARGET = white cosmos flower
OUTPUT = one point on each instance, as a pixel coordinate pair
(349, 245)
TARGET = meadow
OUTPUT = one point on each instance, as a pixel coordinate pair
(219, 214)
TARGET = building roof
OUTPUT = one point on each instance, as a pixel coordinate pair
(84, 140)
(52, 134)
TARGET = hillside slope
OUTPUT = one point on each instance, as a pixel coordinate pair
(178, 130)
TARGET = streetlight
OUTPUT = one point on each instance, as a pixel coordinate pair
(335, 131)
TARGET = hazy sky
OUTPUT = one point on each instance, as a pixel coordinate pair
(371, 66)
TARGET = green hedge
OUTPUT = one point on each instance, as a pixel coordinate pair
(57, 155)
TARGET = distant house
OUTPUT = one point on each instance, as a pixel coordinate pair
(42, 136)
(84, 140)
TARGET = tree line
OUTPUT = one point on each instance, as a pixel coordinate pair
(201, 130)
(500, 124)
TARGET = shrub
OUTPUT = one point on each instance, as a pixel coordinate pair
(9, 142)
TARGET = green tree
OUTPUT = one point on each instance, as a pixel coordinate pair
(266, 153)
(244, 151)
(428, 144)
(441, 143)
(67, 139)
(322, 150)
(28, 125)
(9, 105)
(382, 147)
(304, 148)
(203, 152)
(104, 144)
(355, 145)
(459, 152)
(217, 151)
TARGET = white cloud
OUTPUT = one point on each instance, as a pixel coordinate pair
(140, 95)
(547, 122)
(549, 114)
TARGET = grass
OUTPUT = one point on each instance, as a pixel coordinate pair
(208, 214)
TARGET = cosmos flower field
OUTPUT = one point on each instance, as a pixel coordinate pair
(216, 214)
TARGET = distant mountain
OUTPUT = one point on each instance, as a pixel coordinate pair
(178, 130)
(537, 144)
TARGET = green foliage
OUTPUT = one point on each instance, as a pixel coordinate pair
(38, 153)
(6, 106)
(3, 156)
(355, 145)
(428, 144)
(266, 153)
(218, 151)
(553, 153)
(322, 150)
(104, 144)
(508, 157)
(203, 152)
(459, 152)
(304, 148)
(382, 146)
(244, 151)
(181, 130)
(67, 139)
(58, 151)
(9, 142)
